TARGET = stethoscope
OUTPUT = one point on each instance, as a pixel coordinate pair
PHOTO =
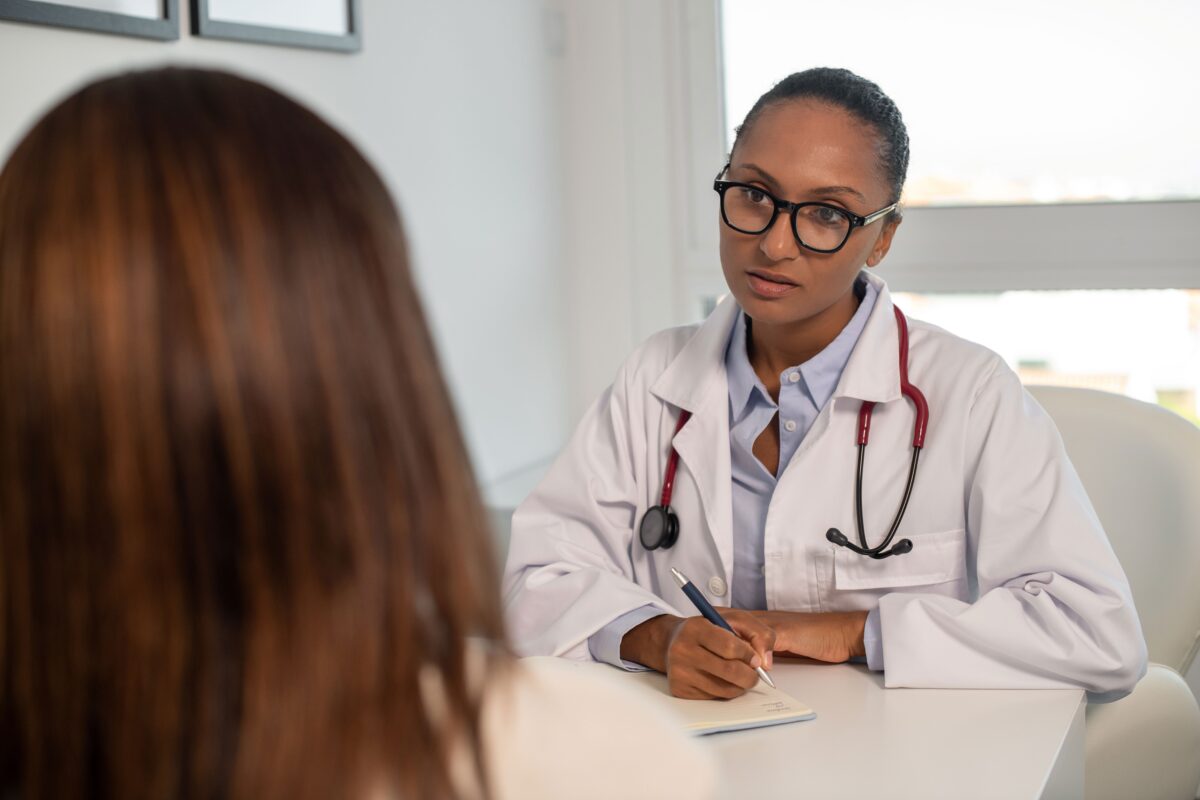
(660, 525)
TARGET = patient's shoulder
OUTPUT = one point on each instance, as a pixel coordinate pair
(558, 728)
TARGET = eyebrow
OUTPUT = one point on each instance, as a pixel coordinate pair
(839, 190)
(826, 190)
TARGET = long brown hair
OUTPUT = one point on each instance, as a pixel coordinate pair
(237, 520)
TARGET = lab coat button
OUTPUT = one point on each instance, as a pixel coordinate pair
(795, 376)
(716, 586)
(790, 425)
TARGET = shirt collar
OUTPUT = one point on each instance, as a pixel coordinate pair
(821, 372)
(743, 382)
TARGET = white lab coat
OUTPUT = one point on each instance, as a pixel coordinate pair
(1011, 582)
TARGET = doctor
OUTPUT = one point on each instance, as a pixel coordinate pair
(997, 574)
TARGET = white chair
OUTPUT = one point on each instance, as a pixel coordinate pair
(1141, 467)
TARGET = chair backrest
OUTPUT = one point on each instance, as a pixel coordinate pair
(1140, 465)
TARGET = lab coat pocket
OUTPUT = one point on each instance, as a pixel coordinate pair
(935, 558)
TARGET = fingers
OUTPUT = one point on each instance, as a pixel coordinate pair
(704, 661)
(710, 677)
(728, 646)
(760, 636)
(699, 685)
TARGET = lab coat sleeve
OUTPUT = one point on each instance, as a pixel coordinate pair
(605, 644)
(569, 571)
(873, 641)
(1053, 606)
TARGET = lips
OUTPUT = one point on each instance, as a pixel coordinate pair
(769, 285)
(773, 277)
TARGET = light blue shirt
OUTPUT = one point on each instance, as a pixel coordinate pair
(804, 390)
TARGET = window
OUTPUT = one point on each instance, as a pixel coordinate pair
(1144, 344)
(1025, 102)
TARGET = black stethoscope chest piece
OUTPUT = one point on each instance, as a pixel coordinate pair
(660, 526)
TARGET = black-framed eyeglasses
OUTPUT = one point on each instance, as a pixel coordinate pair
(820, 227)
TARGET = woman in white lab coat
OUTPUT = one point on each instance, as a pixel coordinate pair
(998, 574)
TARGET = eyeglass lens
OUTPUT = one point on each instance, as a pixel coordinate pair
(751, 210)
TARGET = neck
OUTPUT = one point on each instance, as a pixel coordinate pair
(773, 348)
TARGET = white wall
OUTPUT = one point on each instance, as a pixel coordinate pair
(640, 158)
(458, 105)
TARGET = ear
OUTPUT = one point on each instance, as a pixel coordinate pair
(884, 242)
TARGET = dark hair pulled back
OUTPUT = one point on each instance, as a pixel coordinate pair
(856, 95)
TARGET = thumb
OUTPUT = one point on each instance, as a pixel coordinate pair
(760, 637)
(763, 643)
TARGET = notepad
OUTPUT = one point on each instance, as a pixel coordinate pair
(757, 708)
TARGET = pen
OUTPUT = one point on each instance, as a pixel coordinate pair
(710, 613)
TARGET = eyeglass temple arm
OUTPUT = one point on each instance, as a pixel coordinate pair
(867, 220)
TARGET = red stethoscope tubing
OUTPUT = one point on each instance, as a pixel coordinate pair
(907, 389)
(865, 412)
(673, 462)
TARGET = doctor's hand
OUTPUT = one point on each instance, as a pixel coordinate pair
(831, 636)
(702, 661)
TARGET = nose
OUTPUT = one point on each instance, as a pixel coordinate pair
(777, 242)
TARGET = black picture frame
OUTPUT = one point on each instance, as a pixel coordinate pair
(61, 16)
(349, 42)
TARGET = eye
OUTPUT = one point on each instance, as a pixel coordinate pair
(828, 215)
(754, 196)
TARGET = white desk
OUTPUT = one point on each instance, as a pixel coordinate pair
(876, 743)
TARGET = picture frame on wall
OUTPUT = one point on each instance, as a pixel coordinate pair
(321, 24)
(149, 19)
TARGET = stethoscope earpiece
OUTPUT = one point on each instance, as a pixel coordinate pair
(900, 548)
(837, 537)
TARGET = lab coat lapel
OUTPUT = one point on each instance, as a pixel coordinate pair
(873, 370)
(695, 381)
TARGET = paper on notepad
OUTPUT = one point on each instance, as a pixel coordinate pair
(757, 708)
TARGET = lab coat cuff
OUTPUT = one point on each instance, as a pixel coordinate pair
(873, 641)
(605, 644)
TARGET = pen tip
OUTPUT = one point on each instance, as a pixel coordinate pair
(680, 578)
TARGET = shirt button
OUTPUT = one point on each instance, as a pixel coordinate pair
(790, 425)
(716, 586)
(795, 376)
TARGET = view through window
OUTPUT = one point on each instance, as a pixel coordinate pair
(1020, 102)
(1144, 344)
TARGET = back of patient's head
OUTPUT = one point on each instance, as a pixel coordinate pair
(236, 514)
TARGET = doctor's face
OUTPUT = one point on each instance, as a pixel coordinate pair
(805, 151)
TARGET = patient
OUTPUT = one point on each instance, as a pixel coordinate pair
(241, 550)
